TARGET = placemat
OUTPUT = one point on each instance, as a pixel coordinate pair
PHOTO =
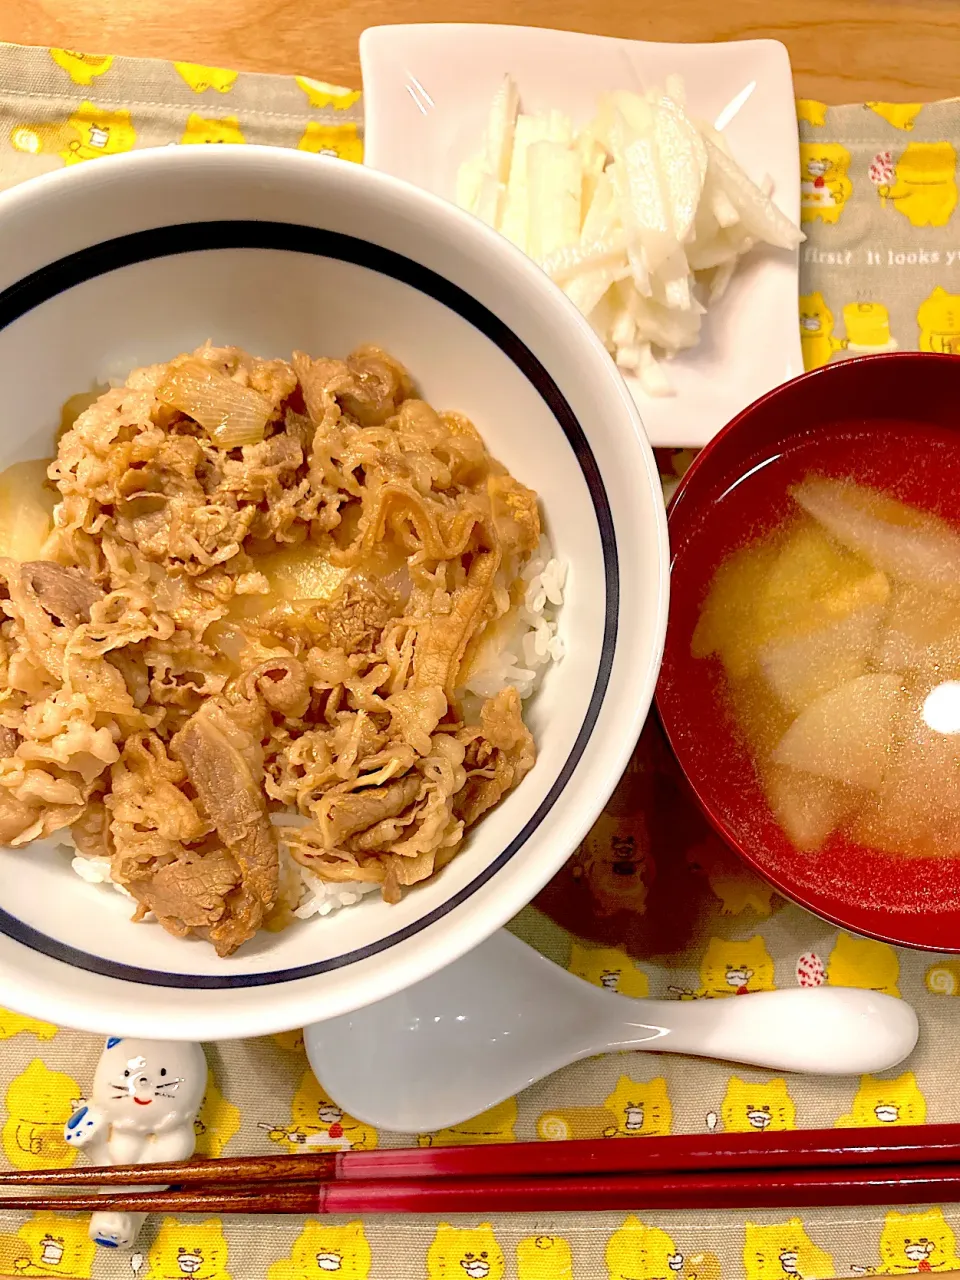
(652, 903)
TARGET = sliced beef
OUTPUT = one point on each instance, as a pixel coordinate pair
(354, 811)
(191, 892)
(282, 683)
(16, 816)
(91, 831)
(499, 754)
(67, 595)
(234, 801)
(369, 385)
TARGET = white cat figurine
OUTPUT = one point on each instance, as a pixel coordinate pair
(145, 1098)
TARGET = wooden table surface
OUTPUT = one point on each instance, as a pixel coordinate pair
(842, 50)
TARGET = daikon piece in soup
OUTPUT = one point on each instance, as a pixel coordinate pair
(838, 633)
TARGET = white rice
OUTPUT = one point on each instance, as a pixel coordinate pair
(517, 655)
(313, 896)
(94, 870)
(317, 897)
(321, 898)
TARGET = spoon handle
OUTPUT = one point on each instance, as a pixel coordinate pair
(823, 1030)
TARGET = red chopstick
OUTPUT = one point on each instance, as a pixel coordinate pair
(689, 1153)
(733, 1189)
(682, 1153)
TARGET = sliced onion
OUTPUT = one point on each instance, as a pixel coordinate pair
(665, 213)
(230, 414)
(577, 260)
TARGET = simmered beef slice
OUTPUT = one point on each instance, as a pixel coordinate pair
(234, 801)
(190, 893)
(67, 595)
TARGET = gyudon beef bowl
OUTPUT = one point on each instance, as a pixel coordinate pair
(332, 589)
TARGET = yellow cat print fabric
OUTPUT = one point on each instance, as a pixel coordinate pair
(218, 1120)
(343, 1251)
(201, 79)
(39, 1103)
(544, 1258)
(474, 1252)
(784, 1249)
(757, 1107)
(51, 1244)
(651, 906)
(197, 1249)
(825, 184)
(609, 968)
(878, 201)
(641, 1251)
(732, 968)
(886, 1102)
(82, 68)
(71, 106)
(493, 1126)
(317, 1123)
(917, 1242)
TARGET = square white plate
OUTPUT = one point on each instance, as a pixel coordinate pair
(427, 90)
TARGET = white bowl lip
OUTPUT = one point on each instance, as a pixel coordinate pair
(617, 754)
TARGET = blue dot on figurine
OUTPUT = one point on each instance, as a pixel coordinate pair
(76, 1118)
(107, 1244)
(112, 1040)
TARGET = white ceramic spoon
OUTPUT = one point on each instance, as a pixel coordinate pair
(503, 1016)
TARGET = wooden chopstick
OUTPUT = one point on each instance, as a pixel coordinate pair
(796, 1149)
(293, 1168)
(729, 1189)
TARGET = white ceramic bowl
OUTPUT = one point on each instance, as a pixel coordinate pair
(130, 260)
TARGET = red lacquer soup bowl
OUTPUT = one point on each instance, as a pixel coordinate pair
(889, 422)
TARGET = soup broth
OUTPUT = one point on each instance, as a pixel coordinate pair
(827, 645)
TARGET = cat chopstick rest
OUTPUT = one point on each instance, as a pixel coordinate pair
(145, 1098)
